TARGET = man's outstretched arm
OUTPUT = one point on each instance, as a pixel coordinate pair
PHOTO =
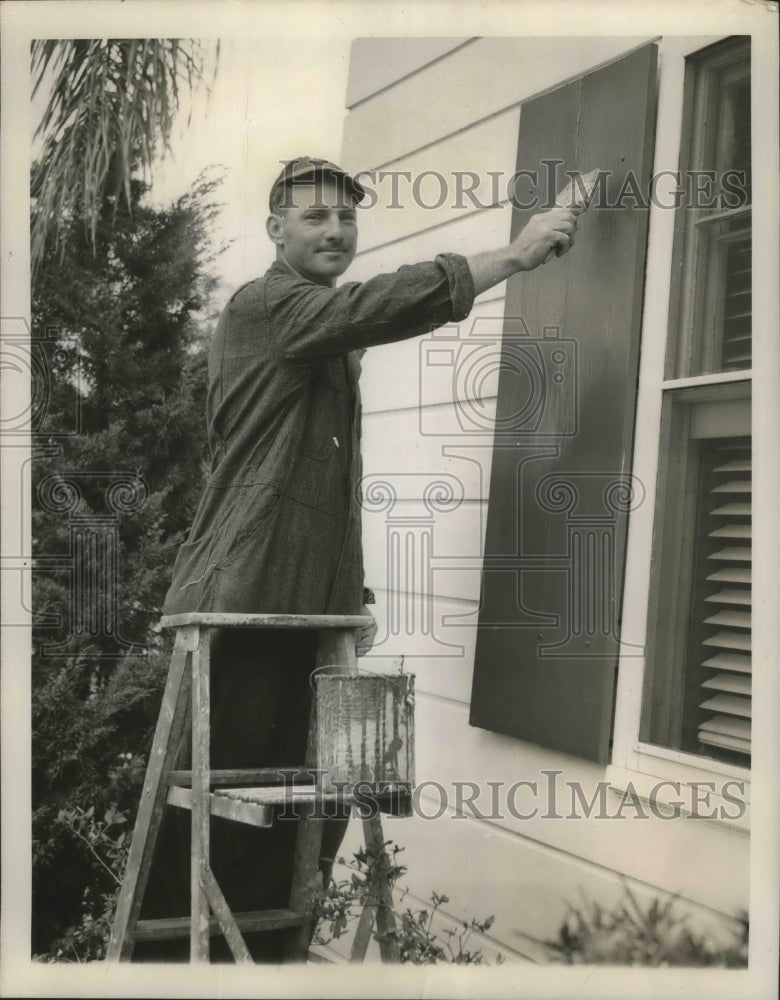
(544, 233)
(312, 322)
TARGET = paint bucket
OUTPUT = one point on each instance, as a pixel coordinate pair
(365, 732)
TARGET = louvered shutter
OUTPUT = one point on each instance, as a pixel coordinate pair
(737, 279)
(725, 702)
(737, 309)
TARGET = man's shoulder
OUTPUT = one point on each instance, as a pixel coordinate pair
(277, 277)
(246, 294)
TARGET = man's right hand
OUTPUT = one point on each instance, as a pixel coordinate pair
(544, 233)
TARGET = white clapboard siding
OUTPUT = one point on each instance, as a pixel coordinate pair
(402, 375)
(470, 84)
(409, 449)
(429, 188)
(453, 548)
(521, 871)
(376, 63)
(660, 851)
(525, 885)
(442, 660)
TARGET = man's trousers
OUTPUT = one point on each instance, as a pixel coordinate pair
(260, 706)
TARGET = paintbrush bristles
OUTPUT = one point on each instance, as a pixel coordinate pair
(576, 194)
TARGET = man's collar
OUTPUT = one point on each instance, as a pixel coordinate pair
(280, 266)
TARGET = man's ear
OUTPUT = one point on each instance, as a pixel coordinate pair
(274, 226)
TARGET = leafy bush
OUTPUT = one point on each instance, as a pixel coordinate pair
(415, 940)
(629, 934)
(106, 842)
(125, 323)
(418, 944)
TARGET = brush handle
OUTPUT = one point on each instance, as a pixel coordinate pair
(556, 252)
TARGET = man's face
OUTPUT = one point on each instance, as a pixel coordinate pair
(318, 236)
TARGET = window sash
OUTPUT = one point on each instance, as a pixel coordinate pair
(697, 306)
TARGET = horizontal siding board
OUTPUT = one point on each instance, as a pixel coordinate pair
(435, 190)
(666, 853)
(417, 381)
(408, 449)
(442, 661)
(526, 886)
(474, 82)
(447, 677)
(456, 542)
(376, 63)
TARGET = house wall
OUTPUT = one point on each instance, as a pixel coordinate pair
(451, 105)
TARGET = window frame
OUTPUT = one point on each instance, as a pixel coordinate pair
(687, 299)
(632, 758)
(671, 592)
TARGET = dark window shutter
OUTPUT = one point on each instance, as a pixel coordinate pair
(560, 488)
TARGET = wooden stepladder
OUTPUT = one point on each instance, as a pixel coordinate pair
(244, 796)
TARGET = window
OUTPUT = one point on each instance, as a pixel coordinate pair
(710, 321)
(698, 697)
(697, 684)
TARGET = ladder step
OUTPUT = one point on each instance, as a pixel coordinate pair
(245, 776)
(168, 928)
(253, 814)
(254, 806)
(280, 795)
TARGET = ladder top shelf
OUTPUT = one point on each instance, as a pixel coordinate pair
(219, 619)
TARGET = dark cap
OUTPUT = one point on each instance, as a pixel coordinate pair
(303, 169)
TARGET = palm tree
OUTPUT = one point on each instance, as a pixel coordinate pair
(111, 104)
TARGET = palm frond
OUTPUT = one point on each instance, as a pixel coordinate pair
(111, 105)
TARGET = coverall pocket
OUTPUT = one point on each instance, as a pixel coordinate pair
(327, 399)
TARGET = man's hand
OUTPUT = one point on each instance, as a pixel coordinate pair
(364, 637)
(545, 233)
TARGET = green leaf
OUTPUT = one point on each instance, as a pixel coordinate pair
(111, 104)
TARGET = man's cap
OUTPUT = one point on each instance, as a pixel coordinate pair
(303, 169)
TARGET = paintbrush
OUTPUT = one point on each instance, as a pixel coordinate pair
(576, 194)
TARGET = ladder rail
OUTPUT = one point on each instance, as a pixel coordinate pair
(201, 807)
(170, 728)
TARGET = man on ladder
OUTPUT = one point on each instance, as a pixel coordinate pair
(278, 526)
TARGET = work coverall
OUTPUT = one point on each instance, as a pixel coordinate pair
(278, 530)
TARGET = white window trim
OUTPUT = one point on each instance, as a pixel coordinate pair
(697, 796)
(632, 758)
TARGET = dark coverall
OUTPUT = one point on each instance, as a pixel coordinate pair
(278, 530)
